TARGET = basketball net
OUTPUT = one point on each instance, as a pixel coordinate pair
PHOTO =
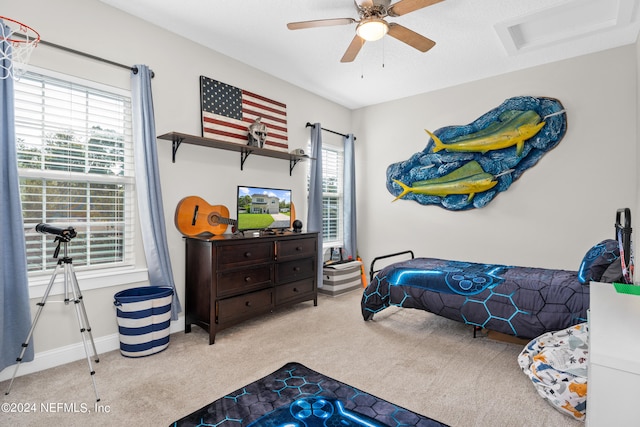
(16, 46)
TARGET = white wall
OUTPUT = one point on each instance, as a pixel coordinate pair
(554, 212)
(636, 211)
(548, 218)
(92, 27)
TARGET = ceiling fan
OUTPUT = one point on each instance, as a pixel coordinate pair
(372, 25)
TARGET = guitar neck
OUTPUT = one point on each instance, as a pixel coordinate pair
(227, 221)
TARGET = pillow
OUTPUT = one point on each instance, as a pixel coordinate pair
(597, 260)
(613, 273)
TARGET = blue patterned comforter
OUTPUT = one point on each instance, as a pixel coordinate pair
(521, 301)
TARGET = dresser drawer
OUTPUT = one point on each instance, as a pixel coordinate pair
(244, 306)
(297, 269)
(241, 281)
(230, 279)
(231, 256)
(289, 249)
(293, 291)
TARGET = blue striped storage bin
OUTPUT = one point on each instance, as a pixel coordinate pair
(144, 317)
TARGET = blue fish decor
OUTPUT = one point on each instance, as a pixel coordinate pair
(465, 167)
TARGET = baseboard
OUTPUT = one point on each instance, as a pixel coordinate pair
(70, 353)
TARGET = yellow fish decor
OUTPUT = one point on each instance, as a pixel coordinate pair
(512, 128)
(465, 167)
(468, 179)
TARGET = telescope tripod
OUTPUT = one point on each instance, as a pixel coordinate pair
(65, 264)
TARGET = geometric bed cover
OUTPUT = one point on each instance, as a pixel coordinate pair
(296, 396)
(522, 301)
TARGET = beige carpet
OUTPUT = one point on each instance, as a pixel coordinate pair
(414, 359)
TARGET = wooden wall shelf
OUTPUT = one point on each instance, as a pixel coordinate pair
(178, 138)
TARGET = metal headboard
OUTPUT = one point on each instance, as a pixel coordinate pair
(625, 214)
(371, 269)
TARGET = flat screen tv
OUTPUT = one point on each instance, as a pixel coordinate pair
(261, 208)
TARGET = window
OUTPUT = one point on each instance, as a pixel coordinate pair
(332, 160)
(75, 162)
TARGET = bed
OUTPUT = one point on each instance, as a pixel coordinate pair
(525, 302)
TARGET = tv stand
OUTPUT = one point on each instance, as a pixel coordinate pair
(273, 232)
(233, 278)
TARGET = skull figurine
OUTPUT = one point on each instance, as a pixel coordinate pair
(257, 133)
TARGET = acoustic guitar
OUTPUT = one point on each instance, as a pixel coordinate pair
(194, 216)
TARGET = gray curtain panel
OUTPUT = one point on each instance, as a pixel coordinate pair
(314, 212)
(350, 241)
(15, 316)
(150, 206)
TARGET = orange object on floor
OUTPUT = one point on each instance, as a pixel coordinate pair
(363, 276)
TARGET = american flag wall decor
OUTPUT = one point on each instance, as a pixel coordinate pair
(227, 112)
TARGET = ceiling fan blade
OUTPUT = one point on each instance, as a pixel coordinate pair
(410, 37)
(406, 6)
(353, 49)
(320, 23)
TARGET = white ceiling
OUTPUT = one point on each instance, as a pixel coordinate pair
(474, 39)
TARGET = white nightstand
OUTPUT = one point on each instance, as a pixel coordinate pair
(613, 393)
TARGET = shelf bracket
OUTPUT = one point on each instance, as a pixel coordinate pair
(176, 144)
(292, 164)
(243, 157)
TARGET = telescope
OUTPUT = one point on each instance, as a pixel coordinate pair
(64, 234)
(65, 265)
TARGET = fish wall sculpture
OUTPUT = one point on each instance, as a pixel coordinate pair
(465, 167)
(468, 179)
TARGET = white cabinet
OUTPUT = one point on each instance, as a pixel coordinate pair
(613, 394)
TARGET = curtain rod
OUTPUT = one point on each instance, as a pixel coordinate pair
(134, 69)
(329, 130)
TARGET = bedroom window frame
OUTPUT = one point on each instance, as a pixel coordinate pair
(74, 142)
(332, 196)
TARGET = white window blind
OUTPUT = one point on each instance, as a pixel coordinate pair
(75, 161)
(332, 160)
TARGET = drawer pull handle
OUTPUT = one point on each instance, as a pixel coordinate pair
(296, 269)
(248, 303)
(247, 279)
(295, 289)
(247, 254)
(298, 248)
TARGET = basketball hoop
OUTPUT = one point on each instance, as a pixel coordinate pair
(22, 39)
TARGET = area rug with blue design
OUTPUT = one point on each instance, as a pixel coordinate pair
(296, 396)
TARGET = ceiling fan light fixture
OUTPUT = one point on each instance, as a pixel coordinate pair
(372, 29)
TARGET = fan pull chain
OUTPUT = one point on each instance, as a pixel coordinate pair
(383, 45)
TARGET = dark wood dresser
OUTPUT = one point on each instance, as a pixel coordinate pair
(232, 278)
